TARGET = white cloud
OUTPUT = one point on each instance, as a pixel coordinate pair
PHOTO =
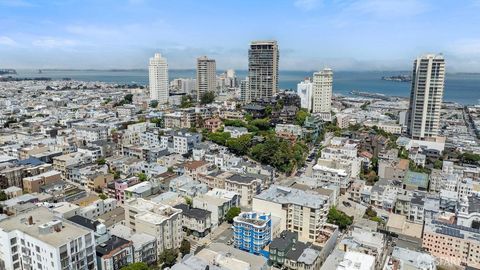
(49, 42)
(6, 41)
(306, 4)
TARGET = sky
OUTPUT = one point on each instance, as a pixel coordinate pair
(312, 34)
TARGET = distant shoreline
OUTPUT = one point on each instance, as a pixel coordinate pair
(401, 72)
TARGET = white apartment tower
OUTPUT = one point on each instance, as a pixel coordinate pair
(322, 91)
(158, 78)
(305, 91)
(38, 240)
(245, 96)
(263, 69)
(426, 96)
(206, 76)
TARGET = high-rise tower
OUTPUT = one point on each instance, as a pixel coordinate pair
(322, 91)
(158, 78)
(206, 76)
(426, 96)
(263, 69)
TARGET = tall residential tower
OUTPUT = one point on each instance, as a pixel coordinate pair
(206, 76)
(158, 78)
(322, 91)
(263, 69)
(426, 96)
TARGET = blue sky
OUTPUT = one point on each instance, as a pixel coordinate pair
(312, 34)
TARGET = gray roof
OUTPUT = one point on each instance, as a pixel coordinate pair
(280, 194)
(242, 178)
(283, 240)
(192, 212)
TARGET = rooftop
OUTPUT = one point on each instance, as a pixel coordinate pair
(111, 244)
(43, 218)
(280, 194)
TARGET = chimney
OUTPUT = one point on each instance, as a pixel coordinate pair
(30, 220)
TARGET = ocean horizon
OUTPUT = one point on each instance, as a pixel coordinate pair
(463, 88)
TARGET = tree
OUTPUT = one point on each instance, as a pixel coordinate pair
(116, 175)
(136, 266)
(101, 161)
(154, 103)
(188, 201)
(128, 98)
(185, 247)
(300, 117)
(3, 196)
(186, 101)
(168, 257)
(339, 218)
(142, 177)
(102, 196)
(207, 98)
(232, 213)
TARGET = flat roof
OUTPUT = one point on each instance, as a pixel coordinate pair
(41, 216)
(280, 194)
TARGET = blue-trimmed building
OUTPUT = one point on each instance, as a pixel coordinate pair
(252, 231)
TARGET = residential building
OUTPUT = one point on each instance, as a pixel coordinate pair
(246, 186)
(426, 96)
(322, 91)
(213, 124)
(287, 252)
(161, 221)
(305, 92)
(33, 183)
(263, 59)
(300, 211)
(114, 254)
(206, 76)
(453, 244)
(38, 240)
(158, 79)
(252, 231)
(144, 245)
(196, 221)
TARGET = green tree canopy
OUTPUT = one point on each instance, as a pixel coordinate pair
(142, 177)
(186, 101)
(185, 247)
(232, 213)
(300, 117)
(207, 98)
(168, 257)
(136, 266)
(3, 196)
(101, 161)
(154, 103)
(339, 218)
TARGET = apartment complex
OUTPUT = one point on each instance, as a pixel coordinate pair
(158, 78)
(426, 96)
(252, 231)
(263, 59)
(300, 211)
(322, 91)
(206, 76)
(39, 240)
(161, 221)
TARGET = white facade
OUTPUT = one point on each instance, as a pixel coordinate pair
(38, 240)
(322, 91)
(158, 78)
(305, 91)
(426, 96)
(159, 220)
